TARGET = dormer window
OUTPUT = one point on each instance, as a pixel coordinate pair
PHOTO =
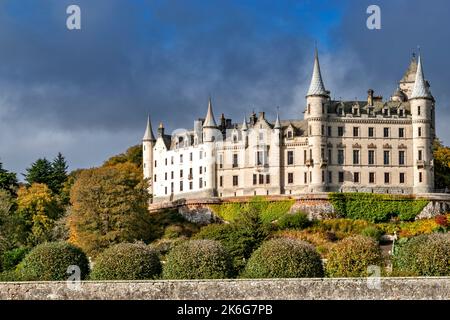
(290, 134)
(356, 111)
(386, 112)
(235, 138)
(340, 111)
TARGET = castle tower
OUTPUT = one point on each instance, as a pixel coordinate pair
(422, 110)
(148, 142)
(317, 100)
(275, 156)
(210, 135)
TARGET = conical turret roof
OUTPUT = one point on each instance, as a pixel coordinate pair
(420, 86)
(209, 120)
(148, 135)
(316, 87)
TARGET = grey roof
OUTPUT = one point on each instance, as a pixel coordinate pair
(420, 86)
(148, 135)
(209, 120)
(378, 106)
(277, 124)
(316, 87)
(244, 125)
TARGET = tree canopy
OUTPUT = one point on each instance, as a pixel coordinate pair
(441, 155)
(8, 180)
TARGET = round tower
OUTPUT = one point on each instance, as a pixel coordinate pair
(211, 134)
(422, 109)
(148, 142)
(317, 100)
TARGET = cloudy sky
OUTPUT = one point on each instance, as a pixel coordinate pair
(86, 93)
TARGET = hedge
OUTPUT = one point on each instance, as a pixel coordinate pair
(352, 256)
(50, 262)
(423, 255)
(198, 259)
(284, 258)
(127, 261)
(268, 210)
(376, 207)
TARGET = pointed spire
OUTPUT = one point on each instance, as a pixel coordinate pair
(316, 87)
(420, 86)
(277, 122)
(244, 125)
(148, 135)
(209, 120)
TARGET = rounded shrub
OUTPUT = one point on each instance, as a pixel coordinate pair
(372, 232)
(11, 258)
(284, 258)
(127, 261)
(352, 256)
(424, 255)
(198, 259)
(51, 260)
(298, 220)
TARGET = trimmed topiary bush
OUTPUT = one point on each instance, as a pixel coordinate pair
(284, 258)
(127, 261)
(198, 259)
(424, 255)
(352, 256)
(50, 261)
(298, 220)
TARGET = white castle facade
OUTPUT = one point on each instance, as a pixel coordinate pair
(352, 146)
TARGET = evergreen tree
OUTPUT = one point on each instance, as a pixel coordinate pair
(41, 171)
(59, 174)
(8, 180)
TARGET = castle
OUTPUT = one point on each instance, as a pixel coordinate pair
(349, 146)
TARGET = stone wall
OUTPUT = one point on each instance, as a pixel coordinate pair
(287, 289)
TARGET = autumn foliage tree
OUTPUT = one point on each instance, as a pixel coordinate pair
(109, 205)
(441, 155)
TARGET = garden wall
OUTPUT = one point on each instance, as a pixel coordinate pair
(287, 289)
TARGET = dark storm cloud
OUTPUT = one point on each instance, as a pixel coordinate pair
(86, 93)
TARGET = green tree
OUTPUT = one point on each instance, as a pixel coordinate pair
(59, 174)
(8, 222)
(441, 155)
(109, 205)
(132, 155)
(8, 180)
(40, 171)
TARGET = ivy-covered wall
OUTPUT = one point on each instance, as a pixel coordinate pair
(376, 207)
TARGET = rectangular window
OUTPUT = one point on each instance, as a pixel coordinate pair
(221, 181)
(154, 178)
(322, 130)
(329, 131)
(235, 160)
(401, 132)
(254, 178)
(261, 179)
(401, 157)
(356, 177)
(181, 173)
(181, 158)
(418, 110)
(190, 156)
(419, 131)
(310, 176)
(329, 156)
(386, 177)
(420, 176)
(235, 181)
(200, 183)
(305, 177)
(355, 156)
(260, 159)
(340, 156)
(330, 177)
(290, 177)
(165, 175)
(171, 187)
(371, 157)
(268, 178)
(171, 175)
(181, 185)
(290, 157)
(355, 131)
(386, 156)
(220, 161)
(386, 132)
(200, 170)
(304, 156)
(371, 132)
(323, 176)
(402, 177)
(166, 161)
(340, 131)
(341, 176)
(155, 163)
(371, 177)
(165, 190)
(200, 155)
(190, 185)
(322, 153)
(190, 173)
(171, 160)
(420, 154)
